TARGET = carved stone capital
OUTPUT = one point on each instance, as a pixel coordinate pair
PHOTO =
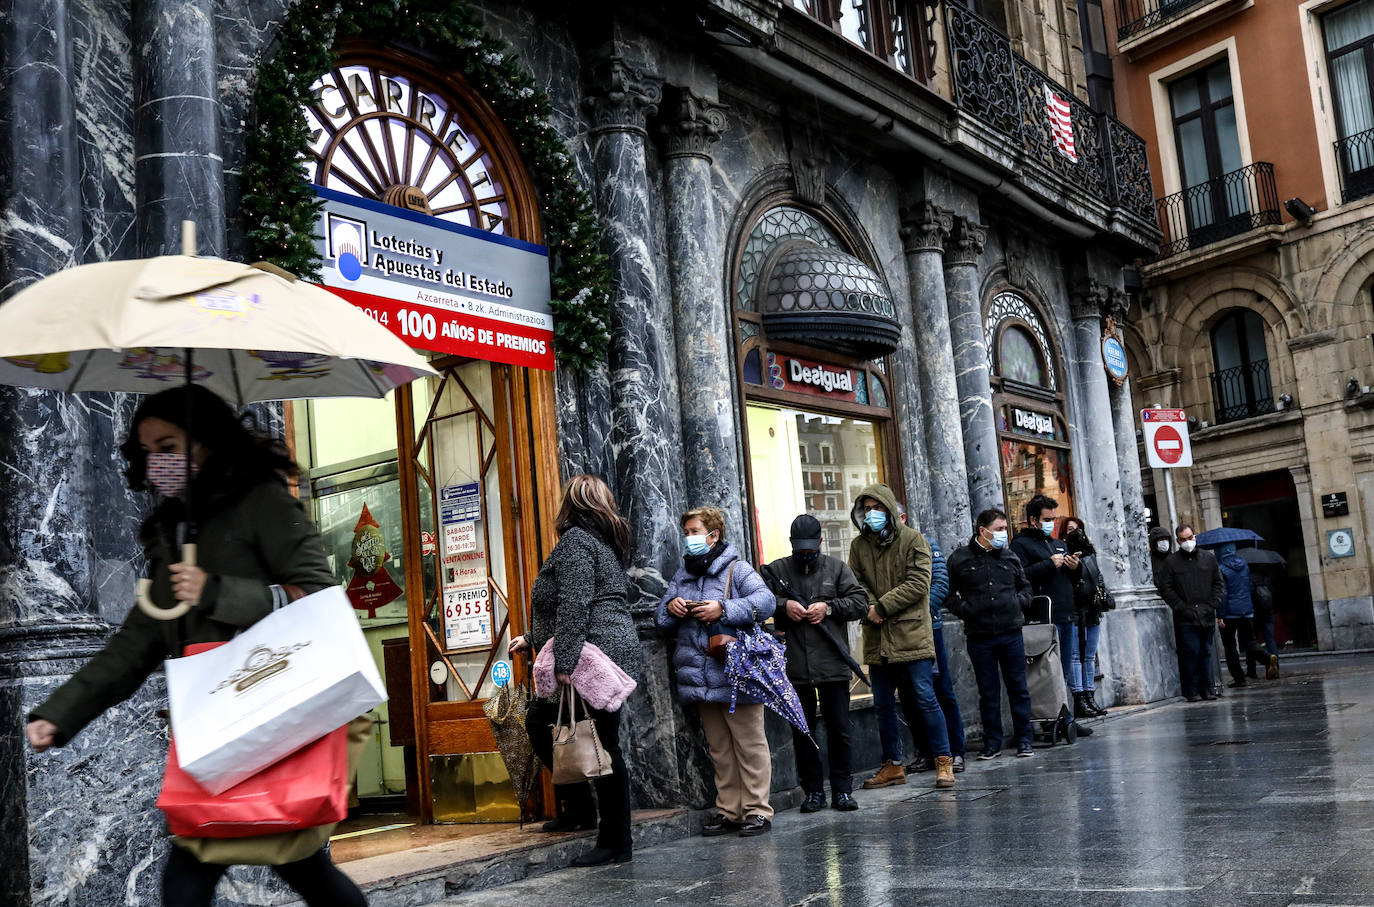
(925, 227)
(622, 97)
(1117, 304)
(808, 160)
(692, 124)
(1087, 300)
(965, 242)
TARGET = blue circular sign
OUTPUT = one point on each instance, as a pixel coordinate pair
(500, 673)
(349, 266)
(1114, 358)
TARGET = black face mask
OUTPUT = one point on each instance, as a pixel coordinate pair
(806, 559)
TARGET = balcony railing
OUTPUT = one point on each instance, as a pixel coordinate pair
(1005, 91)
(1355, 157)
(1228, 205)
(1242, 392)
(1139, 15)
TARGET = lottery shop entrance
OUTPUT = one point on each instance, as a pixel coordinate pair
(435, 503)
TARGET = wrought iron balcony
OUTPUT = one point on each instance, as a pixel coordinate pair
(1139, 15)
(1355, 157)
(1226, 206)
(1242, 392)
(999, 87)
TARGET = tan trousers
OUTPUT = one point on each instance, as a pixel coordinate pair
(744, 767)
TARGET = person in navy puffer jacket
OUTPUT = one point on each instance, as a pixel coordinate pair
(944, 683)
(716, 591)
(1236, 615)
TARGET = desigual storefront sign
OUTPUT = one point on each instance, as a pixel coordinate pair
(819, 379)
(1033, 423)
(438, 286)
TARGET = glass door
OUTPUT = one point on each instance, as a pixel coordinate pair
(1217, 196)
(458, 486)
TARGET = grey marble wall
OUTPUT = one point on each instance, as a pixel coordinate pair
(1124, 419)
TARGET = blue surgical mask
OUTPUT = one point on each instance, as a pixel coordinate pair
(1047, 527)
(876, 520)
(999, 538)
(696, 545)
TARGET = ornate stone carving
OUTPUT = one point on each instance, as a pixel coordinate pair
(692, 124)
(622, 97)
(925, 227)
(965, 242)
(1117, 304)
(808, 161)
(1087, 299)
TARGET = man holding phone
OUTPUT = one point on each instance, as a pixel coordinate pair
(1053, 572)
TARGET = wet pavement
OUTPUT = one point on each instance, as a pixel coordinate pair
(1265, 797)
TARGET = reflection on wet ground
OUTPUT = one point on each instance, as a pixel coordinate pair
(1265, 797)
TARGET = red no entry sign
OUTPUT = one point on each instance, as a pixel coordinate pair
(1166, 438)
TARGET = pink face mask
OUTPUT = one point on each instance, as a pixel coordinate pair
(167, 473)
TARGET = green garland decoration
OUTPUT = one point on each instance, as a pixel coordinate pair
(280, 210)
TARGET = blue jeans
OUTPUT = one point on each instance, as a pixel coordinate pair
(949, 705)
(1195, 659)
(913, 682)
(1005, 654)
(1079, 655)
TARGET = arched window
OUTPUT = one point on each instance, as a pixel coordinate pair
(1240, 383)
(1020, 360)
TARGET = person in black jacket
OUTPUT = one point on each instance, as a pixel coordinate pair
(989, 591)
(1190, 583)
(1094, 600)
(1055, 573)
(817, 597)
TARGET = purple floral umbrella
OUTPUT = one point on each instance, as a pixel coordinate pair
(756, 665)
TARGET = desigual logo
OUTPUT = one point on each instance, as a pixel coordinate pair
(263, 662)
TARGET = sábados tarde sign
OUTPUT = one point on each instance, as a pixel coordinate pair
(438, 286)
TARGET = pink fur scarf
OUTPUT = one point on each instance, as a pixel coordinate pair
(596, 678)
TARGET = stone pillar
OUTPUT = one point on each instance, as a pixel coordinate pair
(1097, 434)
(1314, 545)
(925, 228)
(1124, 419)
(963, 247)
(704, 343)
(178, 167)
(666, 752)
(1208, 513)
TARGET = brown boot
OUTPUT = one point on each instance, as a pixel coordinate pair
(944, 771)
(891, 773)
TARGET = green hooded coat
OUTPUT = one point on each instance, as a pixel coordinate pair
(894, 568)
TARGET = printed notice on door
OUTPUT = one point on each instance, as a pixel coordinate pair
(467, 618)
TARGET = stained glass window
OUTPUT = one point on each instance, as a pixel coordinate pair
(1012, 305)
(1019, 359)
(778, 224)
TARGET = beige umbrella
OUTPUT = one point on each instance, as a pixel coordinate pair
(249, 333)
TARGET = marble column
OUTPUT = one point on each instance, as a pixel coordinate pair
(663, 743)
(178, 165)
(963, 249)
(1097, 434)
(704, 344)
(925, 228)
(1125, 418)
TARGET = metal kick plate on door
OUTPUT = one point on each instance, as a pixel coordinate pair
(471, 788)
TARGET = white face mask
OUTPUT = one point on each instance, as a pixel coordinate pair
(1162, 545)
(1188, 545)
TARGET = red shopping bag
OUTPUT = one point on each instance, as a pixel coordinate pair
(306, 789)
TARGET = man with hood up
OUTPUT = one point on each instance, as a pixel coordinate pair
(892, 563)
(1161, 545)
(817, 598)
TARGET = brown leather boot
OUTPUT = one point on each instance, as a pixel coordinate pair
(944, 771)
(890, 774)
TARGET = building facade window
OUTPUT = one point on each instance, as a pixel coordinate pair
(1348, 34)
(1207, 140)
(900, 32)
(802, 394)
(1241, 385)
(1032, 432)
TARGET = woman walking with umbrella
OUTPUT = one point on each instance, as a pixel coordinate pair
(579, 599)
(258, 551)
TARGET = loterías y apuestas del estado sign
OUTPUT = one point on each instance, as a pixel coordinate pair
(439, 286)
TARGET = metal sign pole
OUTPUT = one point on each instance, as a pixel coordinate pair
(1173, 507)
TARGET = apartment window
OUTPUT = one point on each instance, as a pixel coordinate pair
(1349, 36)
(898, 31)
(1096, 55)
(1208, 143)
(1240, 385)
(827, 454)
(801, 453)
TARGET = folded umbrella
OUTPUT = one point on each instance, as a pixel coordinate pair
(506, 711)
(756, 665)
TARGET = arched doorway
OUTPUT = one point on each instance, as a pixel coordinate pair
(441, 485)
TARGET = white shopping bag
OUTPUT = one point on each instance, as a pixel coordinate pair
(286, 681)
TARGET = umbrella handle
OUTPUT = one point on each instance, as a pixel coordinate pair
(145, 587)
